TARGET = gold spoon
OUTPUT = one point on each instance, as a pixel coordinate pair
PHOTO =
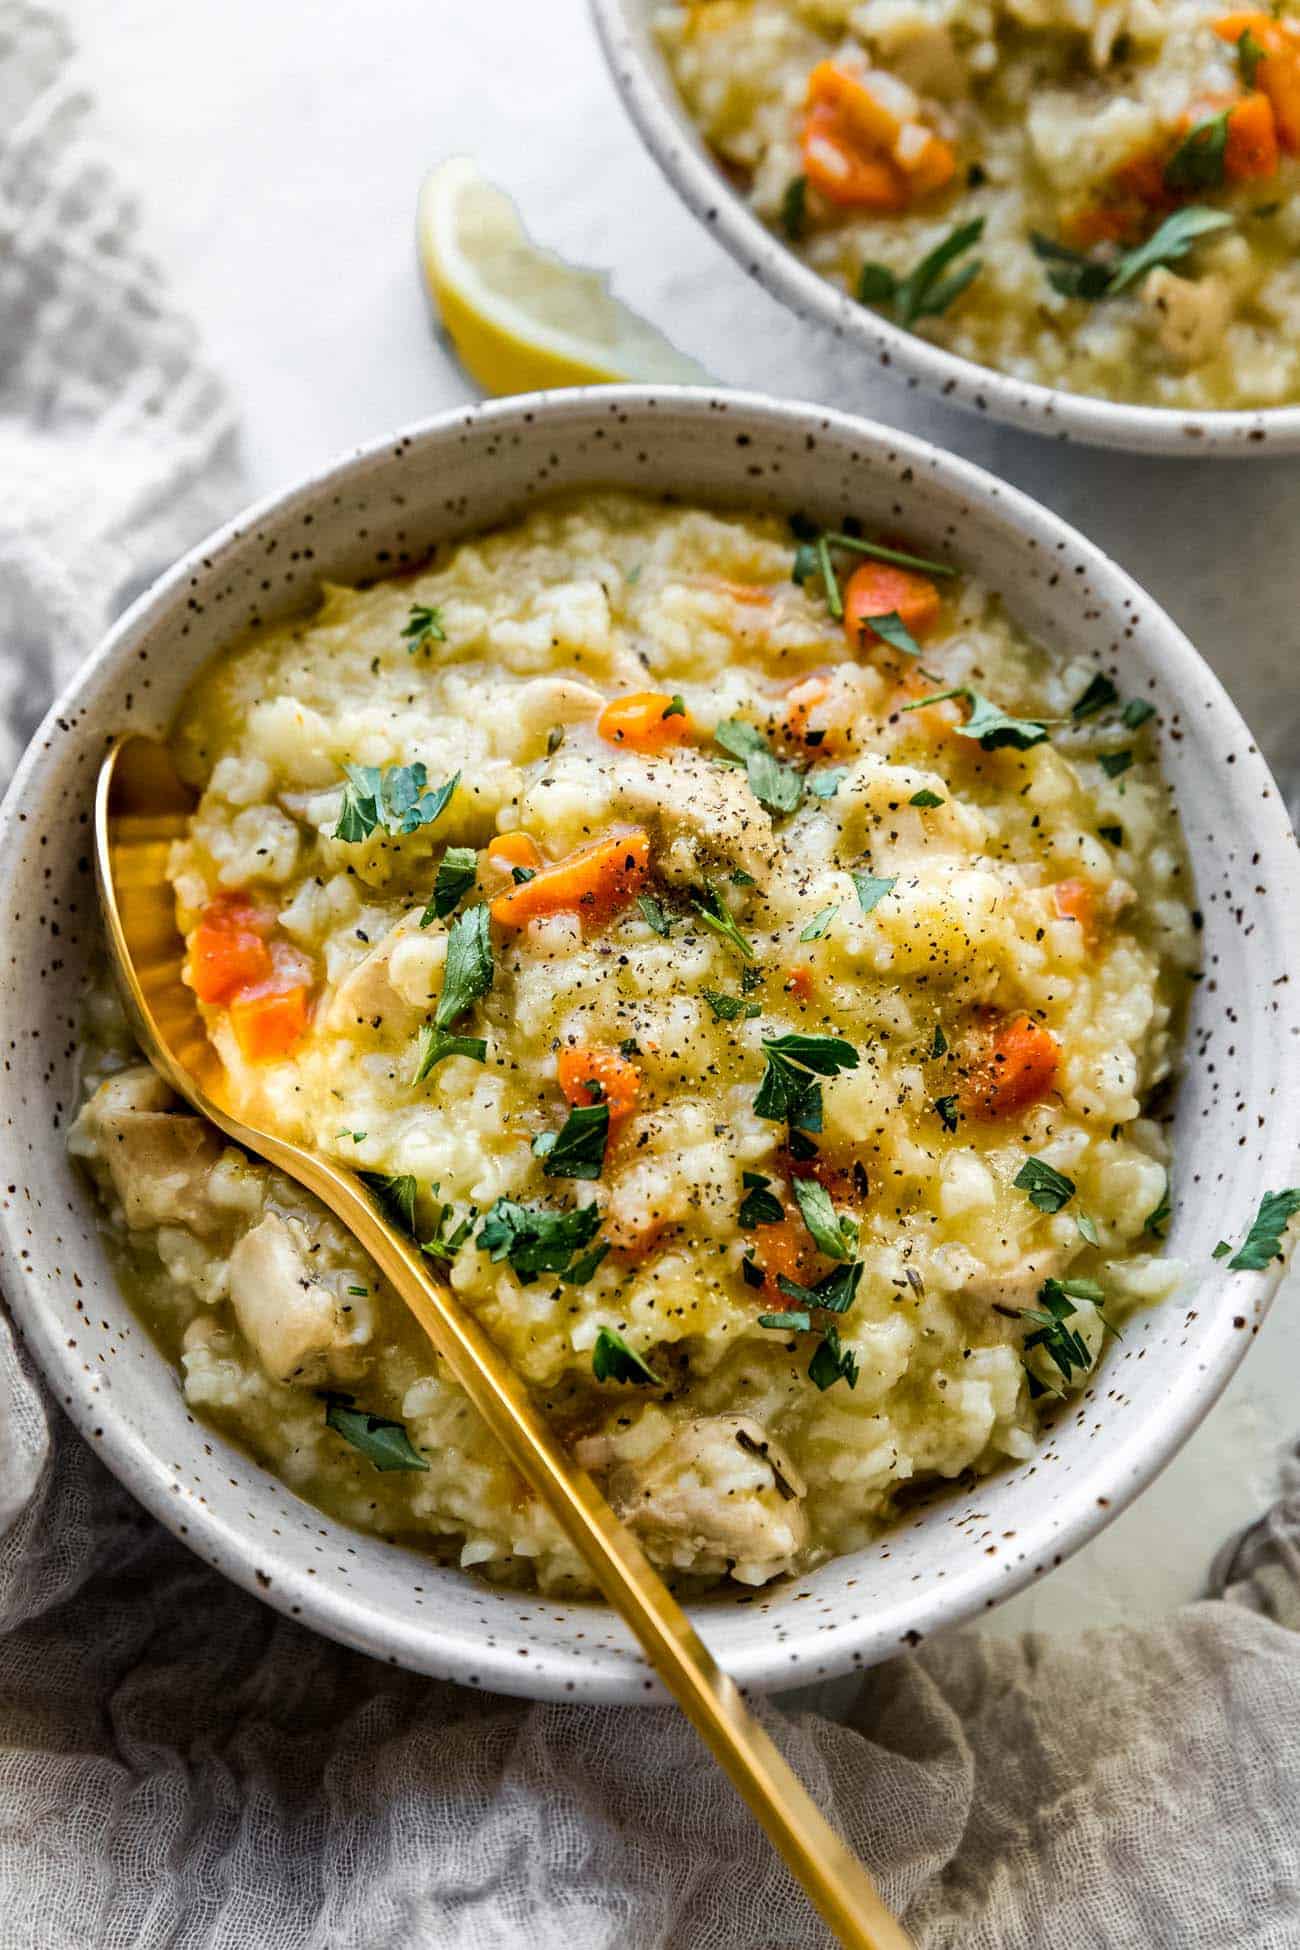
(141, 806)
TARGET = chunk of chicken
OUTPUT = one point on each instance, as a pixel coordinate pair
(1191, 314)
(289, 1319)
(702, 817)
(157, 1160)
(1019, 1288)
(719, 1495)
(391, 985)
(546, 701)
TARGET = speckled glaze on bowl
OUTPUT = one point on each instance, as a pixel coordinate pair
(643, 80)
(1237, 1116)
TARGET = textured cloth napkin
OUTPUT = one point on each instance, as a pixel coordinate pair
(181, 1767)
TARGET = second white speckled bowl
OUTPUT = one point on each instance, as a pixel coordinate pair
(1235, 1128)
(647, 88)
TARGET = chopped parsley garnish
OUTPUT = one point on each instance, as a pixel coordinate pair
(521, 875)
(392, 797)
(1090, 278)
(794, 208)
(730, 1008)
(1071, 273)
(448, 1235)
(989, 724)
(1222, 1250)
(778, 787)
(1099, 696)
(891, 629)
(1115, 834)
(1156, 1221)
(467, 972)
(826, 783)
(717, 918)
(675, 707)
(1087, 1227)
(1249, 56)
(654, 915)
(790, 1088)
(1136, 712)
(613, 1360)
(793, 1321)
(813, 558)
(759, 1207)
(834, 1292)
(1198, 161)
(396, 1193)
(871, 889)
(360, 1291)
(384, 1442)
(423, 626)
(533, 1240)
(582, 1269)
(925, 799)
(579, 1149)
(1263, 1243)
(820, 923)
(832, 1233)
(457, 872)
(1048, 1188)
(924, 292)
(435, 1044)
(939, 1046)
(1114, 763)
(832, 1362)
(1064, 1346)
(946, 1107)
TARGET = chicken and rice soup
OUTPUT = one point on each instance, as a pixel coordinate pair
(738, 955)
(1097, 195)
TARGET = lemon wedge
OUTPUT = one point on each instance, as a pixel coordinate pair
(521, 318)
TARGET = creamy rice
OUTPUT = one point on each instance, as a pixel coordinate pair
(1089, 124)
(796, 1277)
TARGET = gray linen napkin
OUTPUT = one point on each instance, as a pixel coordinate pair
(181, 1767)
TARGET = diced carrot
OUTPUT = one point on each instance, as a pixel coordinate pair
(799, 982)
(515, 849)
(928, 162)
(1251, 150)
(1076, 900)
(1278, 74)
(866, 117)
(599, 1076)
(644, 721)
(843, 172)
(595, 882)
(1017, 1071)
(227, 949)
(268, 1023)
(1131, 196)
(875, 589)
(754, 593)
(785, 1248)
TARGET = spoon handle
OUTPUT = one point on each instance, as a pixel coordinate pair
(834, 1880)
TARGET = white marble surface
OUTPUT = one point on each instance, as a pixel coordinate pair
(278, 145)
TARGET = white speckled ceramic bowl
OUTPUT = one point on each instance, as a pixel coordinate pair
(1237, 1115)
(648, 91)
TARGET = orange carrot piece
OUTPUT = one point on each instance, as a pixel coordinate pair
(1278, 74)
(1018, 1070)
(515, 849)
(643, 721)
(616, 1079)
(785, 1248)
(799, 982)
(267, 1023)
(875, 589)
(1251, 150)
(227, 951)
(845, 173)
(595, 882)
(929, 167)
(1076, 900)
(869, 122)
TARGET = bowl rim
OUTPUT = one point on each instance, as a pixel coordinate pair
(1120, 1472)
(912, 361)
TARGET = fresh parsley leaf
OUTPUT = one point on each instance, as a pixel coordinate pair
(457, 872)
(579, 1149)
(383, 1442)
(820, 923)
(794, 208)
(891, 629)
(675, 707)
(751, 1273)
(1263, 1243)
(871, 889)
(1048, 1188)
(613, 1360)
(1087, 1227)
(832, 1362)
(1064, 1346)
(1136, 712)
(1070, 272)
(392, 797)
(778, 787)
(947, 1111)
(467, 972)
(582, 1269)
(879, 553)
(834, 1292)
(716, 916)
(1099, 696)
(396, 1193)
(738, 739)
(789, 1089)
(1114, 763)
(522, 875)
(1156, 1221)
(1168, 244)
(1198, 161)
(1222, 1250)
(804, 564)
(424, 625)
(448, 1236)
(1249, 56)
(654, 915)
(759, 1207)
(988, 723)
(924, 292)
(831, 1234)
(939, 1046)
(925, 799)
(794, 1321)
(730, 1008)
(826, 783)
(435, 1044)
(533, 1240)
(830, 581)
